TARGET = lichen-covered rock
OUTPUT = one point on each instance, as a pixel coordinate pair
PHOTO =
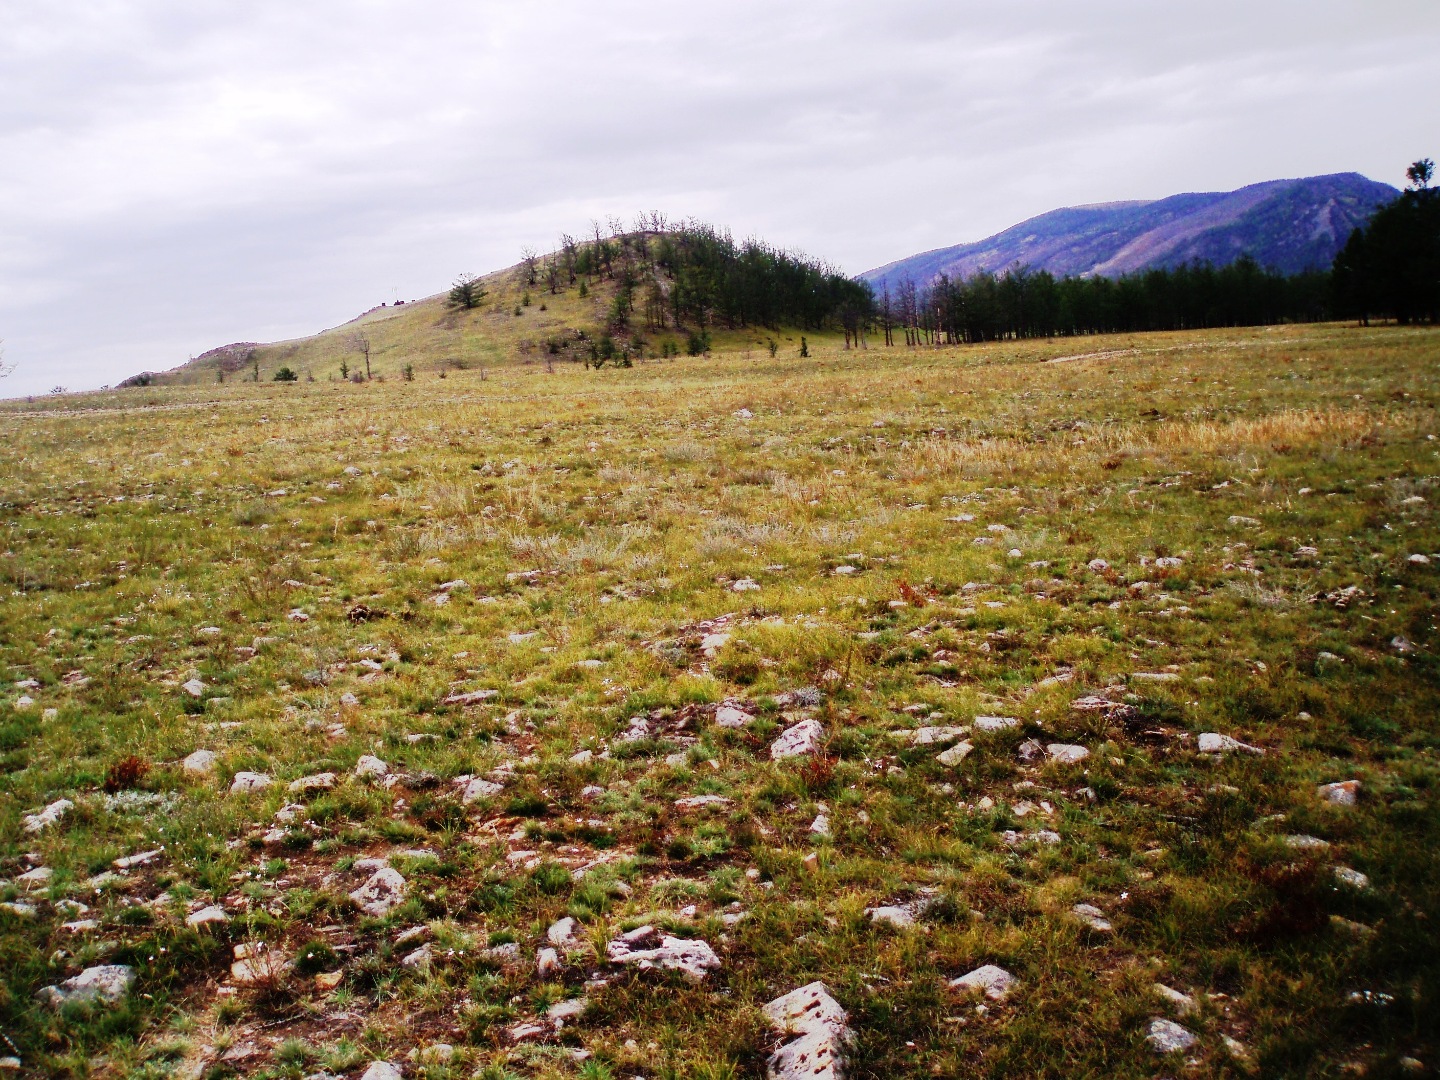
(106, 984)
(991, 980)
(200, 763)
(35, 823)
(319, 782)
(1340, 793)
(818, 1030)
(647, 948)
(370, 767)
(1211, 742)
(798, 741)
(245, 783)
(383, 890)
(1168, 1037)
(1067, 753)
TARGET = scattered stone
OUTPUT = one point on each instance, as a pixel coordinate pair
(1340, 793)
(1419, 560)
(818, 1031)
(370, 766)
(547, 963)
(23, 702)
(1154, 676)
(995, 982)
(844, 570)
(319, 782)
(802, 739)
(995, 723)
(384, 889)
(1211, 742)
(1098, 565)
(106, 984)
(1092, 917)
(207, 916)
(1030, 750)
(702, 802)
(955, 755)
(474, 697)
(36, 878)
(647, 948)
(936, 736)
(437, 1054)
(900, 916)
(129, 862)
(1168, 1037)
(564, 1011)
(1304, 842)
(195, 688)
(563, 934)
(419, 958)
(507, 953)
(383, 1070)
(582, 757)
(479, 788)
(526, 1031)
(1184, 1003)
(1241, 519)
(1354, 878)
(745, 585)
(200, 763)
(35, 823)
(1067, 754)
(729, 716)
(80, 926)
(20, 909)
(247, 782)
(592, 791)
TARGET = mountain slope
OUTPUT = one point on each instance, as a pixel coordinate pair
(1290, 225)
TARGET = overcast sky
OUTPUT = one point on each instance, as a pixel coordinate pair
(179, 174)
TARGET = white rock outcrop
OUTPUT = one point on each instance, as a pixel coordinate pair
(1211, 742)
(798, 741)
(35, 823)
(382, 890)
(817, 1030)
(647, 948)
(200, 763)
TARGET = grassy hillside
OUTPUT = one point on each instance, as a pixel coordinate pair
(608, 593)
(637, 295)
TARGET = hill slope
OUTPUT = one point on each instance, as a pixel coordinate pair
(1290, 225)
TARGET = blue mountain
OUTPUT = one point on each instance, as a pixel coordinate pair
(1287, 225)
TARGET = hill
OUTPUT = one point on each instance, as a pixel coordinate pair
(1287, 225)
(654, 292)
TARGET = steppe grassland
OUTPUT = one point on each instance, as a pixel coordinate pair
(610, 513)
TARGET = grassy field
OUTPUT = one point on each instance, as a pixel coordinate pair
(1118, 544)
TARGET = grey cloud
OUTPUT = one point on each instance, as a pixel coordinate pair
(177, 175)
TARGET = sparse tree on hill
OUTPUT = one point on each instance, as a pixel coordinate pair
(360, 342)
(1420, 174)
(552, 273)
(467, 292)
(5, 369)
(286, 375)
(528, 260)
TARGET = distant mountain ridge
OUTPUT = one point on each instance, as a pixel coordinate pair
(1287, 225)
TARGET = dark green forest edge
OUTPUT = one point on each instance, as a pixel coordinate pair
(693, 276)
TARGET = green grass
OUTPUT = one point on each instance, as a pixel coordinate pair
(609, 514)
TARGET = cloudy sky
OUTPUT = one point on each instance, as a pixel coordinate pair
(178, 174)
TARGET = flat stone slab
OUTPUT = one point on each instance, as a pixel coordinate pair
(991, 980)
(246, 782)
(1212, 742)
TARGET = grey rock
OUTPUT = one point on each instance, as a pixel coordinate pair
(200, 763)
(246, 782)
(646, 948)
(1168, 1037)
(384, 889)
(800, 740)
(818, 1033)
(318, 782)
(994, 981)
(106, 984)
(35, 823)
